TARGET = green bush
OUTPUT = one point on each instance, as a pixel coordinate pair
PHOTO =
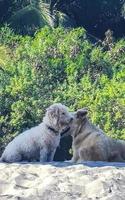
(27, 20)
(61, 66)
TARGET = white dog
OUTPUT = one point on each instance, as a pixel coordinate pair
(40, 142)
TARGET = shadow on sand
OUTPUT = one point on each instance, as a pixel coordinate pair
(71, 164)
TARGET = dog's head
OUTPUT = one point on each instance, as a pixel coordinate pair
(58, 117)
(79, 118)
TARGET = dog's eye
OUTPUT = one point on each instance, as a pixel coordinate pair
(63, 113)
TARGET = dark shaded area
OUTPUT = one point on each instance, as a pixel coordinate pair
(62, 152)
(33, 21)
(23, 16)
(9, 7)
(95, 16)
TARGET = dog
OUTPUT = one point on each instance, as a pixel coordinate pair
(90, 143)
(40, 142)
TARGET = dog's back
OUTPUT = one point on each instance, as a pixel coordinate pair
(91, 143)
(26, 142)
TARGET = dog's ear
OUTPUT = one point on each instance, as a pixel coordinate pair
(49, 110)
(81, 113)
(52, 112)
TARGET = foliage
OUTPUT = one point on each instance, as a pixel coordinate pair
(60, 66)
(27, 20)
(25, 17)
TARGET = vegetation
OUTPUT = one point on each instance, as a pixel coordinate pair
(59, 65)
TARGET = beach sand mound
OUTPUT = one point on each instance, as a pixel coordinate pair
(62, 181)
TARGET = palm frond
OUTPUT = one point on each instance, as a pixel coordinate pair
(46, 14)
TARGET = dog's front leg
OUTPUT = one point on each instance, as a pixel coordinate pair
(75, 157)
(50, 155)
(43, 154)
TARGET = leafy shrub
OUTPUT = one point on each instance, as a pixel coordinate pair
(27, 20)
(61, 66)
